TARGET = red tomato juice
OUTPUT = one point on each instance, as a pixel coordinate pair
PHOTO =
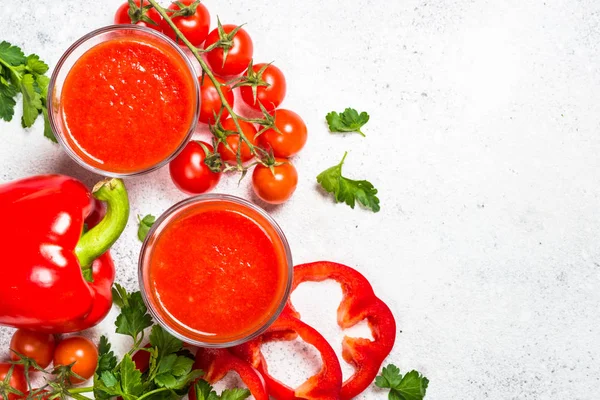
(217, 271)
(127, 104)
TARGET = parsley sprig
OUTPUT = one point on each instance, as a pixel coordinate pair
(411, 386)
(25, 75)
(144, 226)
(348, 190)
(348, 121)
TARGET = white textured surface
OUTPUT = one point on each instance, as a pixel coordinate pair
(484, 143)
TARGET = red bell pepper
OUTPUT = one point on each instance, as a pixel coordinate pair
(45, 252)
(358, 303)
(216, 363)
(326, 384)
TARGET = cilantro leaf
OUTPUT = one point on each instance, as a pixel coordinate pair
(164, 341)
(348, 121)
(134, 317)
(348, 190)
(35, 65)
(235, 394)
(32, 101)
(145, 225)
(412, 386)
(106, 358)
(13, 55)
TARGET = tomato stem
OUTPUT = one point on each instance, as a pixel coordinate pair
(196, 52)
(82, 390)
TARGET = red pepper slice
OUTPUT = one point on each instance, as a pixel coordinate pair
(358, 303)
(216, 363)
(44, 250)
(326, 384)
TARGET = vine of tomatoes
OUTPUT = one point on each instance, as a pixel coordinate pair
(239, 142)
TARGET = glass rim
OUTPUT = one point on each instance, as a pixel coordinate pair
(208, 198)
(59, 65)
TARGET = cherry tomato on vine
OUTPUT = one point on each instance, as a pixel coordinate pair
(78, 350)
(190, 173)
(39, 346)
(238, 56)
(193, 26)
(291, 136)
(210, 103)
(122, 16)
(275, 186)
(234, 141)
(270, 96)
(17, 379)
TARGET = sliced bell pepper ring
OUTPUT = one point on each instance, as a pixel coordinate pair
(358, 303)
(216, 363)
(326, 384)
(44, 252)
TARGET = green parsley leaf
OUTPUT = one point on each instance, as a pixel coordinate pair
(35, 65)
(32, 101)
(348, 190)
(7, 101)
(106, 358)
(131, 377)
(47, 128)
(412, 386)
(164, 341)
(145, 225)
(348, 121)
(134, 317)
(235, 394)
(13, 55)
(173, 372)
(204, 391)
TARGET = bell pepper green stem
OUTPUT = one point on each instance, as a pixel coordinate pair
(100, 238)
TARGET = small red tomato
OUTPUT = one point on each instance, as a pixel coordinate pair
(210, 103)
(194, 26)
(291, 137)
(122, 16)
(234, 140)
(239, 54)
(141, 358)
(80, 351)
(17, 379)
(39, 346)
(270, 96)
(190, 173)
(275, 186)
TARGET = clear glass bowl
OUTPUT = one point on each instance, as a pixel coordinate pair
(68, 60)
(236, 204)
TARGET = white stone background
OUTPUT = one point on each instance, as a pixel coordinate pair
(483, 142)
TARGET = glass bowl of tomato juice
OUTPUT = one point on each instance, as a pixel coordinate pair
(215, 270)
(123, 100)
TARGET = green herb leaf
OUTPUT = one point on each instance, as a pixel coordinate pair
(204, 391)
(32, 101)
(47, 128)
(412, 386)
(235, 394)
(348, 190)
(134, 317)
(164, 341)
(7, 101)
(106, 358)
(131, 377)
(13, 55)
(348, 121)
(145, 225)
(35, 65)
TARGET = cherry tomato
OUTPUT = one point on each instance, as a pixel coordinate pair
(234, 141)
(278, 187)
(141, 358)
(122, 16)
(291, 136)
(211, 102)
(270, 96)
(190, 173)
(239, 54)
(39, 346)
(194, 27)
(17, 379)
(78, 350)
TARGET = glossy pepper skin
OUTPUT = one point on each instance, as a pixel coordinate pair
(325, 385)
(358, 303)
(44, 252)
(216, 363)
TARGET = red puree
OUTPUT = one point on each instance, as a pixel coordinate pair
(127, 104)
(216, 271)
